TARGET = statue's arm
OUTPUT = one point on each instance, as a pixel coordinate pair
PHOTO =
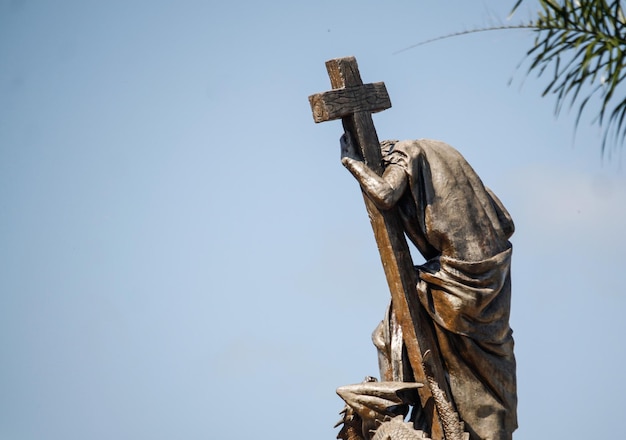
(383, 190)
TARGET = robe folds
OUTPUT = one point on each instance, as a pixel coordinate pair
(462, 229)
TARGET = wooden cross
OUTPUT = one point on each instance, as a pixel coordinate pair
(354, 102)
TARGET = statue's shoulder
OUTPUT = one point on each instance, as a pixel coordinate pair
(409, 147)
(426, 147)
(435, 150)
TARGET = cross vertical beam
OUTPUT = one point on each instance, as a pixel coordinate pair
(354, 102)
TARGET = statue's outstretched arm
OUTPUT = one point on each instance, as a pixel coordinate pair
(383, 190)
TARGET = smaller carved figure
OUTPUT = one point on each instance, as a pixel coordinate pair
(376, 411)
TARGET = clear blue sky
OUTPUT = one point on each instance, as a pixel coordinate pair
(183, 256)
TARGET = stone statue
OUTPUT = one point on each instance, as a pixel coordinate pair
(447, 327)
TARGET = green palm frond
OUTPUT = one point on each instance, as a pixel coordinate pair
(583, 43)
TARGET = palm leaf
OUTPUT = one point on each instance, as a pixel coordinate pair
(585, 42)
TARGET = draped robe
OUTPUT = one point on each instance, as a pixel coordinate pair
(462, 229)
